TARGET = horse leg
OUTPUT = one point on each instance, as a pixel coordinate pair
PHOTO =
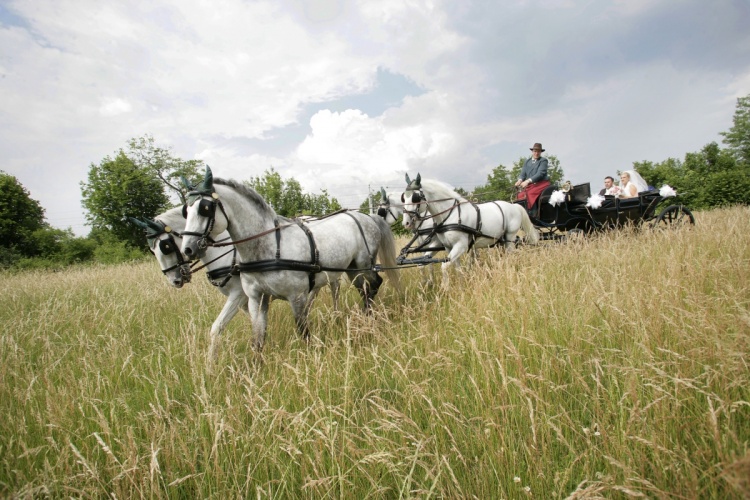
(257, 306)
(335, 287)
(367, 287)
(454, 261)
(301, 305)
(234, 303)
(427, 270)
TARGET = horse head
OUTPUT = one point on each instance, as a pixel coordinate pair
(413, 200)
(164, 243)
(200, 217)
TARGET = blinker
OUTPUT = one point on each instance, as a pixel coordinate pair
(166, 246)
(416, 197)
(382, 212)
(206, 208)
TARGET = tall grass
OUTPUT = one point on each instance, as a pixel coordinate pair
(615, 366)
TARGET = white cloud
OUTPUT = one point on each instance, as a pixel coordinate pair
(114, 107)
(244, 86)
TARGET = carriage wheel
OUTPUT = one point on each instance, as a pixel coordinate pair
(673, 217)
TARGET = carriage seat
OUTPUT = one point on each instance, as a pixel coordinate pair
(546, 194)
(580, 193)
(539, 210)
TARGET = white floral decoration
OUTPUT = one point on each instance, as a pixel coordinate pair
(556, 198)
(667, 191)
(595, 201)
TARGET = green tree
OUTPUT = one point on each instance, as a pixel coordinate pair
(737, 138)
(287, 198)
(117, 188)
(669, 171)
(708, 178)
(320, 204)
(713, 177)
(499, 185)
(20, 217)
(372, 200)
(146, 155)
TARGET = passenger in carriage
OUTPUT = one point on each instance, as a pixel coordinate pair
(631, 183)
(609, 187)
(534, 177)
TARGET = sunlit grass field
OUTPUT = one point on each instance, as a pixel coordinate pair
(615, 367)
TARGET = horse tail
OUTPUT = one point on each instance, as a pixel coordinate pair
(387, 251)
(531, 233)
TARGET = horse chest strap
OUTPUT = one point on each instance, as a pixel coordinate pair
(278, 238)
(479, 217)
(364, 238)
(314, 254)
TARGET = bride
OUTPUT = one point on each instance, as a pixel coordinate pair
(631, 183)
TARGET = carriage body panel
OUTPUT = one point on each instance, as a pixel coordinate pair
(572, 214)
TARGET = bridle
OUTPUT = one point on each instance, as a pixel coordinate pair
(385, 209)
(168, 246)
(206, 208)
(417, 198)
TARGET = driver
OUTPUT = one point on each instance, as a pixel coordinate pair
(534, 177)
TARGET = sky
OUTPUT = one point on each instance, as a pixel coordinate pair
(348, 96)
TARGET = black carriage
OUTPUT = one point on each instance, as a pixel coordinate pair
(573, 216)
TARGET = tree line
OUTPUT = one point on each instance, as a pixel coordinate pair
(143, 180)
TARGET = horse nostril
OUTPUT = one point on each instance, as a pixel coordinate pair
(188, 251)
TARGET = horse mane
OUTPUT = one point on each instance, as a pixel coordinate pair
(441, 189)
(249, 193)
(172, 217)
(394, 198)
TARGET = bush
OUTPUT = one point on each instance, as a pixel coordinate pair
(115, 252)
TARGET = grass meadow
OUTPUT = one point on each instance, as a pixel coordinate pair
(611, 367)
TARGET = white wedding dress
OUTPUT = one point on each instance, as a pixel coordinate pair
(636, 179)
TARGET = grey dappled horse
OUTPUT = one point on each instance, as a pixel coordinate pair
(287, 258)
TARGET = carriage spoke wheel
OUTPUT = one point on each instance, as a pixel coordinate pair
(674, 217)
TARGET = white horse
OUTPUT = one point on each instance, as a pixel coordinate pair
(392, 210)
(462, 225)
(287, 258)
(163, 236)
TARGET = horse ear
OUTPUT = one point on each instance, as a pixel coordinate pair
(383, 196)
(186, 183)
(154, 225)
(418, 180)
(208, 181)
(408, 181)
(138, 222)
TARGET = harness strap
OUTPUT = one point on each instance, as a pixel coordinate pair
(221, 276)
(362, 233)
(278, 264)
(314, 254)
(474, 233)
